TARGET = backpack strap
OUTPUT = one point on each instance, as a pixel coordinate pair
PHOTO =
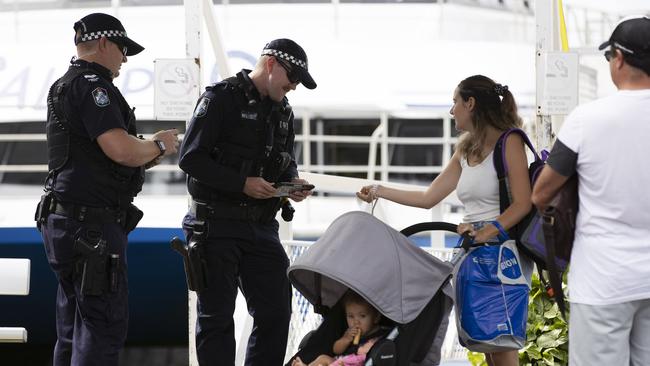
(554, 273)
(501, 165)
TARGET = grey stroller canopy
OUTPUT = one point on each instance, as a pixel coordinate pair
(360, 252)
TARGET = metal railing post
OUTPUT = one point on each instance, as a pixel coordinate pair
(385, 161)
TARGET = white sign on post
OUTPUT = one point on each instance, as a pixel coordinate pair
(559, 89)
(176, 88)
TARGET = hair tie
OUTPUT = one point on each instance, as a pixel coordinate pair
(500, 89)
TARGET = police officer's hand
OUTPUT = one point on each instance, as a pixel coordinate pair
(298, 196)
(258, 188)
(169, 138)
(153, 163)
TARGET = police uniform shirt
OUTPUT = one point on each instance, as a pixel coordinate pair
(217, 109)
(92, 106)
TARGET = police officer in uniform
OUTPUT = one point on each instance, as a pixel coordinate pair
(96, 167)
(237, 145)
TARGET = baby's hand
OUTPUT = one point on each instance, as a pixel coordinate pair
(351, 332)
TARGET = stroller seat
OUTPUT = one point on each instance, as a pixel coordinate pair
(408, 286)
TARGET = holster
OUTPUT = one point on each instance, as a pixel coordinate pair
(270, 209)
(287, 210)
(43, 209)
(92, 265)
(133, 217)
(194, 262)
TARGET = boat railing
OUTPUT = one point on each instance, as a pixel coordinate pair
(378, 143)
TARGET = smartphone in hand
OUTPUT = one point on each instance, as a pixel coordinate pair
(285, 188)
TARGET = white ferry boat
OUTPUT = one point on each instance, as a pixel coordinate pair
(385, 69)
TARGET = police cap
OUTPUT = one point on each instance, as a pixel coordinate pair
(289, 50)
(97, 25)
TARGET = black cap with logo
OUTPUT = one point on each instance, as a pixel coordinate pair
(632, 37)
(97, 25)
(289, 50)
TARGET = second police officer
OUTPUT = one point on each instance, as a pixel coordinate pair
(96, 167)
(237, 145)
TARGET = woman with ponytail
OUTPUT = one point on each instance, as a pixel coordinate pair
(482, 110)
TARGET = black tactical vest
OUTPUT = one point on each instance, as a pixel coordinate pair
(253, 143)
(63, 143)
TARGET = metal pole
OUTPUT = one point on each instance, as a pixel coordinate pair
(215, 39)
(546, 41)
(192, 51)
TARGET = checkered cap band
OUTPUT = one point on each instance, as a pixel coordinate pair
(99, 34)
(285, 56)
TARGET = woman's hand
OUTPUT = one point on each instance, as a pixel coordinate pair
(466, 228)
(482, 235)
(368, 193)
(486, 233)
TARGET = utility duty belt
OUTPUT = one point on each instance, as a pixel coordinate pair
(127, 218)
(243, 211)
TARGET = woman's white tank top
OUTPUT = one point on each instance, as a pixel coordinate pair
(478, 190)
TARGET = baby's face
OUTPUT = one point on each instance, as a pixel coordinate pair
(360, 316)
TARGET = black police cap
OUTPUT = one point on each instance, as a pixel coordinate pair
(97, 25)
(289, 50)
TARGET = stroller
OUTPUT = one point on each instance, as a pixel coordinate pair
(408, 286)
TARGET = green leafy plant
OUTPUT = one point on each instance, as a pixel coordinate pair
(547, 334)
(477, 359)
(547, 337)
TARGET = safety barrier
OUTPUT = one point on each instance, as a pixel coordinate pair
(14, 280)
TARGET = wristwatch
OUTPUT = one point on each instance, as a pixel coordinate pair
(161, 146)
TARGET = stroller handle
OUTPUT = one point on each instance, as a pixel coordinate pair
(445, 226)
(429, 226)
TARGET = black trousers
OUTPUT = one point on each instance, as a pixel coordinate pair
(248, 256)
(91, 329)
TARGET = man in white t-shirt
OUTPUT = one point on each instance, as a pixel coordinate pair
(607, 142)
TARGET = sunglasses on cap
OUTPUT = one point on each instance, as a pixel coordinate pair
(292, 74)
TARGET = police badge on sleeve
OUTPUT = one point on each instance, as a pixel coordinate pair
(202, 108)
(101, 97)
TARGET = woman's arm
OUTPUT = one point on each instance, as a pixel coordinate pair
(441, 187)
(519, 189)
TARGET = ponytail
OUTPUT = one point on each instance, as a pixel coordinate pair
(494, 106)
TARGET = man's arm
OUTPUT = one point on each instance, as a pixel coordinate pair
(546, 187)
(131, 151)
(560, 166)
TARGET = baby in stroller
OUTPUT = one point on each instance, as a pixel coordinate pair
(362, 333)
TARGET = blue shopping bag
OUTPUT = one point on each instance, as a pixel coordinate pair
(491, 299)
